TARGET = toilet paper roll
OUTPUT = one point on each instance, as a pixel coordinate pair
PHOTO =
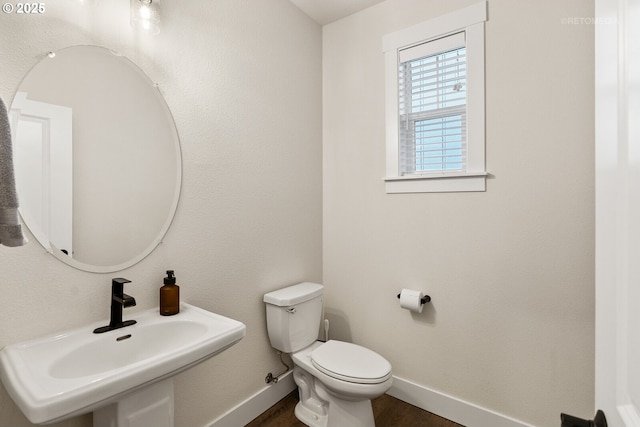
(411, 300)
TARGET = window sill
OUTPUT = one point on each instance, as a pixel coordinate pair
(445, 183)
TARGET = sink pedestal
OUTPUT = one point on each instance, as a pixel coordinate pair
(150, 406)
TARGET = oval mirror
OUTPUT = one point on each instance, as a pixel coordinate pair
(97, 158)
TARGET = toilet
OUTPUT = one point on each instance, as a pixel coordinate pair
(336, 380)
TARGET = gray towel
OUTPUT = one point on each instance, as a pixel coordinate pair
(10, 228)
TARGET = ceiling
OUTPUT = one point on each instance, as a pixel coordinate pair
(326, 11)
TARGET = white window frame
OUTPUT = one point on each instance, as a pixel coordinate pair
(469, 20)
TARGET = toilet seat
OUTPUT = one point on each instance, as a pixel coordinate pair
(351, 363)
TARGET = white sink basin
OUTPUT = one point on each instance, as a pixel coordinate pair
(74, 372)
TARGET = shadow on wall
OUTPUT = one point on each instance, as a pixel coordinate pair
(428, 314)
(339, 328)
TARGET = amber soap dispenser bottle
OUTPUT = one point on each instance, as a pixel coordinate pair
(169, 296)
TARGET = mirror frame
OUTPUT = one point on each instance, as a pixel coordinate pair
(176, 190)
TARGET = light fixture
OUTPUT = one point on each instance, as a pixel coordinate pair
(144, 16)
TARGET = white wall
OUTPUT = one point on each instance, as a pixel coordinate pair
(243, 81)
(510, 270)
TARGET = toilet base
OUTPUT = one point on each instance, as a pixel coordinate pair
(320, 408)
(341, 413)
(310, 417)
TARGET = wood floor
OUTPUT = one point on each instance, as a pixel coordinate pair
(387, 411)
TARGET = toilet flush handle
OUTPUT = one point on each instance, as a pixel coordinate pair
(291, 310)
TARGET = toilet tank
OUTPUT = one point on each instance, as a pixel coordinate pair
(293, 316)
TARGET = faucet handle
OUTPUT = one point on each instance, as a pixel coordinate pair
(117, 286)
(119, 300)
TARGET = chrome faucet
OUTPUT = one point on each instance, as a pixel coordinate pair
(119, 300)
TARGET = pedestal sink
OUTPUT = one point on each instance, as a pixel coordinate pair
(75, 372)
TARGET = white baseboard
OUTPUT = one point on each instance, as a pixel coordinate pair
(449, 407)
(243, 413)
(629, 415)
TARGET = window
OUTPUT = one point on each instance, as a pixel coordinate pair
(435, 104)
(433, 107)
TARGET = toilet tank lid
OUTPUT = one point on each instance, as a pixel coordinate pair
(295, 294)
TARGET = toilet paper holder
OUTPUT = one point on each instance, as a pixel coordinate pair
(425, 299)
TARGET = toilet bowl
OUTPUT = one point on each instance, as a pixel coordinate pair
(336, 380)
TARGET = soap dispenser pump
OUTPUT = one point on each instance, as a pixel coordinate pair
(169, 296)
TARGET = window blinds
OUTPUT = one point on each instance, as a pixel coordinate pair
(432, 101)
